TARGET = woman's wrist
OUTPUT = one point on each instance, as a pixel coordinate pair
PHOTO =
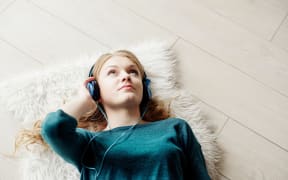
(77, 107)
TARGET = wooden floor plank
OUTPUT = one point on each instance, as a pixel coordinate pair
(248, 156)
(234, 93)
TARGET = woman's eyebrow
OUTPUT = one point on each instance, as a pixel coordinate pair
(115, 66)
(132, 65)
(110, 66)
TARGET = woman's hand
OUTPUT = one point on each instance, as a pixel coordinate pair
(81, 103)
(85, 96)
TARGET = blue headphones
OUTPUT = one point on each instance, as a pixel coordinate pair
(94, 90)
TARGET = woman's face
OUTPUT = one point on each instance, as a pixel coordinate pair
(120, 83)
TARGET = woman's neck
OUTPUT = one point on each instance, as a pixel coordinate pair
(122, 117)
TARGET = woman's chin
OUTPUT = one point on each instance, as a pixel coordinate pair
(126, 99)
(130, 99)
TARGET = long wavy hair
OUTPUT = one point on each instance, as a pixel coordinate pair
(94, 120)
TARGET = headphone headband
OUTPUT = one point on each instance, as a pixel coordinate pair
(91, 71)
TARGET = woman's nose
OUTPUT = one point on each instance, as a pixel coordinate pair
(125, 76)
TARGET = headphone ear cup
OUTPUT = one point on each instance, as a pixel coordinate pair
(93, 87)
(94, 90)
(147, 94)
(96, 95)
(147, 89)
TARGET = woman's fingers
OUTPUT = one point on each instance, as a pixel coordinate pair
(88, 80)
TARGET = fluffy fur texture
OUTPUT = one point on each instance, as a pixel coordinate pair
(34, 95)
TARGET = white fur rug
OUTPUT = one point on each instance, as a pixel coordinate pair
(34, 95)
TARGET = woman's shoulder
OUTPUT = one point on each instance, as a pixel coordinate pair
(178, 123)
(171, 122)
(175, 120)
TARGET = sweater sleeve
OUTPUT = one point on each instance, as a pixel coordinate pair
(60, 133)
(196, 166)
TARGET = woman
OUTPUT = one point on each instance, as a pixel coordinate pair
(132, 136)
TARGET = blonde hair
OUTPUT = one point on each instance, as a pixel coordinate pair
(95, 121)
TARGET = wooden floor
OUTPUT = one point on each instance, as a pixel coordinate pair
(233, 56)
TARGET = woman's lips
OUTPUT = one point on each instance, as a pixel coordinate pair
(126, 87)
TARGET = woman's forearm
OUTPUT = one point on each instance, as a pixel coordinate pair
(80, 104)
(75, 108)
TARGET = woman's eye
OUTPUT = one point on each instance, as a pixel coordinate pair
(111, 72)
(133, 71)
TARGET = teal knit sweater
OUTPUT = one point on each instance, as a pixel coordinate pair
(165, 149)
